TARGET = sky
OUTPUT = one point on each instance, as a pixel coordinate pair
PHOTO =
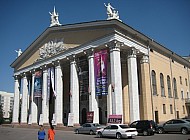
(22, 21)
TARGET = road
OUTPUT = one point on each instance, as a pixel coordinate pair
(8, 133)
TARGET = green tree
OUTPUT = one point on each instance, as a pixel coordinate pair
(1, 114)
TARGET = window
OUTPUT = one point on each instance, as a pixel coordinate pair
(164, 109)
(183, 109)
(169, 87)
(182, 95)
(154, 87)
(187, 95)
(180, 80)
(186, 82)
(171, 109)
(162, 85)
(175, 88)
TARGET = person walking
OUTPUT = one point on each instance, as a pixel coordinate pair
(41, 133)
(51, 133)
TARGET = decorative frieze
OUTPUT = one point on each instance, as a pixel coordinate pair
(51, 48)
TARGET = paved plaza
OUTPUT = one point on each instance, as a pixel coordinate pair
(8, 133)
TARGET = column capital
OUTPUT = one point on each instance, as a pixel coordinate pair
(89, 52)
(16, 77)
(33, 71)
(144, 59)
(44, 67)
(56, 63)
(132, 52)
(114, 45)
(72, 58)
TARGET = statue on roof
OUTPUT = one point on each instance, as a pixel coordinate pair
(54, 18)
(112, 14)
(19, 52)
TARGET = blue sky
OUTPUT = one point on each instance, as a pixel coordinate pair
(22, 21)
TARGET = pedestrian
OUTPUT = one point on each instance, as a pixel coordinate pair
(51, 133)
(41, 133)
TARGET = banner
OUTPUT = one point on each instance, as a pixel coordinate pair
(100, 71)
(48, 83)
(90, 117)
(53, 80)
(38, 84)
(115, 119)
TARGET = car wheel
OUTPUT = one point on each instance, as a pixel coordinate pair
(99, 135)
(118, 136)
(145, 133)
(184, 131)
(77, 131)
(91, 132)
(160, 130)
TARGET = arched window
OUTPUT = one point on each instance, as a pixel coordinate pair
(175, 88)
(169, 87)
(154, 86)
(162, 85)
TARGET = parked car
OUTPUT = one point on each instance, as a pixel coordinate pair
(117, 131)
(146, 127)
(88, 128)
(175, 125)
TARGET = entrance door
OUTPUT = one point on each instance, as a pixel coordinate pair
(156, 117)
(177, 113)
(100, 115)
(83, 115)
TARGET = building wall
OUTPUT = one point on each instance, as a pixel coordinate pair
(168, 67)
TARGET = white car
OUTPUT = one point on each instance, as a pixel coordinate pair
(118, 131)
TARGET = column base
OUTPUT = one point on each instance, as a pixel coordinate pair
(76, 124)
(60, 125)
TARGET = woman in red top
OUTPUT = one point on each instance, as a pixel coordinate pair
(51, 133)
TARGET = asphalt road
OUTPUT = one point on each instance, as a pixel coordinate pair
(8, 133)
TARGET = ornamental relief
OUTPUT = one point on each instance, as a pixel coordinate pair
(51, 48)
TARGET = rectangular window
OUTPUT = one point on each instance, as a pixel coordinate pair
(183, 109)
(186, 82)
(180, 80)
(171, 109)
(164, 109)
(182, 95)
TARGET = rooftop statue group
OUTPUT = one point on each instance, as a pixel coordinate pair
(112, 14)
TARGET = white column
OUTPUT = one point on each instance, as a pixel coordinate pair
(24, 111)
(45, 103)
(115, 62)
(33, 104)
(109, 96)
(133, 85)
(74, 90)
(93, 99)
(16, 102)
(59, 94)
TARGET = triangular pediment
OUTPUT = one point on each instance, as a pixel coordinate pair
(56, 40)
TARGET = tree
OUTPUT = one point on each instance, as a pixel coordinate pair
(1, 114)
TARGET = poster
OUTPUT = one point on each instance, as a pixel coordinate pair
(38, 84)
(115, 119)
(100, 70)
(90, 117)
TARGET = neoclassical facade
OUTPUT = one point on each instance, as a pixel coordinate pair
(143, 80)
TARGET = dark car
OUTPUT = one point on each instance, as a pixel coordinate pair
(88, 128)
(175, 125)
(145, 127)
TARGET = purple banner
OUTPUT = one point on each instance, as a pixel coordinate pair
(38, 84)
(100, 67)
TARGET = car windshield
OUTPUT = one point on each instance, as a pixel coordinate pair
(96, 124)
(188, 120)
(124, 126)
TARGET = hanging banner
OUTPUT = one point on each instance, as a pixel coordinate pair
(38, 84)
(53, 80)
(48, 83)
(100, 71)
(104, 55)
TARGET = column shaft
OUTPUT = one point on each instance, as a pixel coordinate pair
(16, 102)
(59, 95)
(45, 103)
(93, 99)
(74, 92)
(133, 86)
(24, 111)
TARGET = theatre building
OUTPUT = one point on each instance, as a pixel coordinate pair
(103, 67)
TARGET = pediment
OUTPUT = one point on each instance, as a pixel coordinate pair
(53, 42)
